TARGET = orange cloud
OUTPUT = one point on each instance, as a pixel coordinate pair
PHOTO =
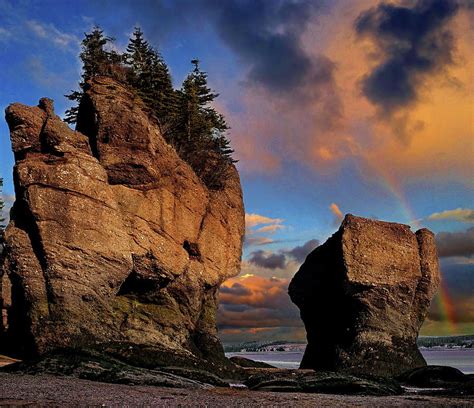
(434, 135)
(255, 302)
(438, 128)
(269, 228)
(459, 214)
(252, 220)
(258, 241)
(336, 211)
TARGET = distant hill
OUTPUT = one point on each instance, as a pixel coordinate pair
(446, 341)
(265, 346)
(466, 341)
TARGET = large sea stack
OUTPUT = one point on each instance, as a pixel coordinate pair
(113, 240)
(363, 296)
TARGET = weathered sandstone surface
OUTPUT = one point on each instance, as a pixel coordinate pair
(363, 296)
(113, 242)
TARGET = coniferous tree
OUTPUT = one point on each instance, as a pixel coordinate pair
(150, 76)
(201, 124)
(136, 57)
(95, 61)
(186, 117)
(200, 131)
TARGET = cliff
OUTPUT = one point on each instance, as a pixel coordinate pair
(114, 241)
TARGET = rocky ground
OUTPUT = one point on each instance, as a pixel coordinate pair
(35, 385)
(53, 391)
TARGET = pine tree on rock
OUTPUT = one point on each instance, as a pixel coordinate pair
(200, 132)
(136, 57)
(185, 117)
(95, 61)
(150, 76)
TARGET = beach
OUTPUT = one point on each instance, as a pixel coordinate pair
(53, 391)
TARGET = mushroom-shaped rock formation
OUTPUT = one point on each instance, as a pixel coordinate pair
(113, 240)
(363, 296)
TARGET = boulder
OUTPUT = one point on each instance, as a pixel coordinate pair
(439, 380)
(113, 239)
(363, 296)
(94, 366)
(321, 382)
(434, 376)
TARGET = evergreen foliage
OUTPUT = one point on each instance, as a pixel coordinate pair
(150, 76)
(199, 132)
(185, 117)
(95, 61)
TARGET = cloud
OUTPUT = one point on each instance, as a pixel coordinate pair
(299, 253)
(249, 241)
(411, 42)
(237, 289)
(337, 213)
(262, 334)
(264, 304)
(269, 260)
(42, 75)
(267, 38)
(269, 228)
(455, 296)
(252, 220)
(62, 40)
(282, 258)
(459, 214)
(290, 100)
(458, 278)
(451, 244)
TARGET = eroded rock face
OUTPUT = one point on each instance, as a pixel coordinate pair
(113, 238)
(363, 296)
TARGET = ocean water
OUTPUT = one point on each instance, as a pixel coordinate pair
(461, 358)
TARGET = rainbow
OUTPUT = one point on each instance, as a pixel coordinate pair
(394, 186)
(446, 308)
(443, 299)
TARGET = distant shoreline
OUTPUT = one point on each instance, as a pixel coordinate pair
(461, 358)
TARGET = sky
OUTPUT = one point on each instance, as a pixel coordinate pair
(335, 107)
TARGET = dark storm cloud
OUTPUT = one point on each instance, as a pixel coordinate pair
(459, 278)
(274, 260)
(267, 260)
(458, 286)
(455, 243)
(299, 253)
(412, 41)
(266, 35)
